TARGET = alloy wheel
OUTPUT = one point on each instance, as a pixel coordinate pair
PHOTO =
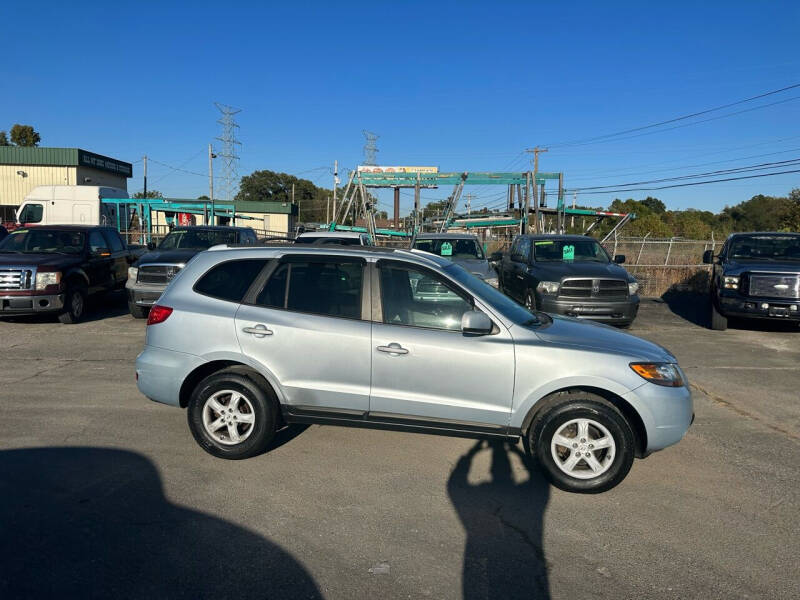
(583, 448)
(228, 417)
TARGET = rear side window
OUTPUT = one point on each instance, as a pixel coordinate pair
(331, 288)
(230, 280)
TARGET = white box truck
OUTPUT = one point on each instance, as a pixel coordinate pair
(69, 205)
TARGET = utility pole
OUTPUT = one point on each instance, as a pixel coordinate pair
(328, 211)
(470, 196)
(292, 193)
(535, 151)
(141, 206)
(211, 156)
(144, 160)
(335, 183)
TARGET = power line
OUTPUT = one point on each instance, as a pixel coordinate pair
(584, 141)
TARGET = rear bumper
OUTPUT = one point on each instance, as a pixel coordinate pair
(751, 307)
(160, 373)
(615, 312)
(31, 305)
(143, 294)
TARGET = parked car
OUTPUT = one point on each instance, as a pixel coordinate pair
(569, 275)
(462, 248)
(341, 238)
(755, 276)
(54, 268)
(151, 274)
(337, 336)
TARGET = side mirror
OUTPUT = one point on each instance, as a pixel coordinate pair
(496, 256)
(708, 257)
(151, 245)
(619, 259)
(474, 322)
(102, 252)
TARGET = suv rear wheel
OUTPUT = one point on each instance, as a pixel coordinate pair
(583, 443)
(230, 416)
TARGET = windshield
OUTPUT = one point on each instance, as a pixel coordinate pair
(569, 251)
(196, 239)
(766, 247)
(503, 304)
(451, 248)
(36, 241)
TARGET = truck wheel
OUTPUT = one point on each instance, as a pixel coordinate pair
(583, 443)
(231, 417)
(74, 305)
(138, 312)
(719, 322)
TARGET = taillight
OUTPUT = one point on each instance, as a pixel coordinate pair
(158, 314)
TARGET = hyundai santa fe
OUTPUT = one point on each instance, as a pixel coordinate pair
(251, 339)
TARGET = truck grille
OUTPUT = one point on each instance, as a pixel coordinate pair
(157, 274)
(16, 279)
(774, 286)
(599, 289)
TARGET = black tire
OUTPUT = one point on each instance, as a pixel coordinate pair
(74, 305)
(263, 407)
(719, 322)
(138, 312)
(558, 412)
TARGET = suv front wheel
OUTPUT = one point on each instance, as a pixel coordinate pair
(230, 416)
(583, 443)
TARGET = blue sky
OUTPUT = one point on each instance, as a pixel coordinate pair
(462, 85)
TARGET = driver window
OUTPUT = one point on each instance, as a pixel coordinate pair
(419, 298)
(32, 213)
(96, 241)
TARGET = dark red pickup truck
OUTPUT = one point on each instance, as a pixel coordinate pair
(54, 268)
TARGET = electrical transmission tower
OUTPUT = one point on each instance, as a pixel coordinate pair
(230, 160)
(370, 148)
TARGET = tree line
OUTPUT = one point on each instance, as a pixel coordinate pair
(21, 135)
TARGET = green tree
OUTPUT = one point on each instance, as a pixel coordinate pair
(4, 139)
(655, 205)
(25, 135)
(150, 194)
(203, 197)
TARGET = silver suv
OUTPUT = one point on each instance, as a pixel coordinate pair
(252, 339)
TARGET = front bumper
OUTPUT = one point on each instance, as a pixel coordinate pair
(31, 304)
(143, 294)
(666, 413)
(619, 312)
(751, 307)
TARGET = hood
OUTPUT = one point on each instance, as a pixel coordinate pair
(172, 257)
(736, 266)
(567, 331)
(557, 270)
(476, 266)
(44, 260)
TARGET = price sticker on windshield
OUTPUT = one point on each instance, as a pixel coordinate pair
(447, 249)
(568, 252)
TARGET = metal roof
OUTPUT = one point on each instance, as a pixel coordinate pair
(62, 157)
(446, 236)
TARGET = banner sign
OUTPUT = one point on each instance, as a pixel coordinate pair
(376, 169)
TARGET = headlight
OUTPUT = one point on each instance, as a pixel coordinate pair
(548, 287)
(666, 374)
(633, 287)
(133, 273)
(47, 278)
(731, 283)
(492, 281)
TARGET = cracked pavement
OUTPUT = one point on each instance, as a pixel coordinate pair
(712, 517)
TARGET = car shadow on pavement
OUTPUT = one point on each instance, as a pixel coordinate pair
(503, 519)
(94, 523)
(696, 308)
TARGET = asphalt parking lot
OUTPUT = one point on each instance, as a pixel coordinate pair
(105, 494)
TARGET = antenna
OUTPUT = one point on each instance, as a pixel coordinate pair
(230, 171)
(370, 148)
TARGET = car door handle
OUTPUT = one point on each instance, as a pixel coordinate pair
(393, 348)
(258, 331)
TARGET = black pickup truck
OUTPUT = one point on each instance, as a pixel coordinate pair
(569, 275)
(54, 268)
(757, 276)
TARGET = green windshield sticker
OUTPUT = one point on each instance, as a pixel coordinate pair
(447, 249)
(542, 243)
(568, 252)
